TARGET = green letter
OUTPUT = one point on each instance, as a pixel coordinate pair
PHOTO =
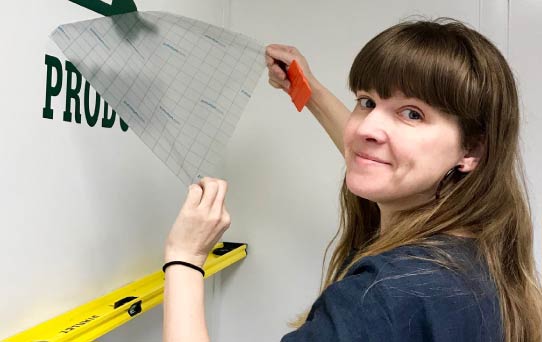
(123, 125)
(91, 119)
(50, 89)
(108, 122)
(72, 93)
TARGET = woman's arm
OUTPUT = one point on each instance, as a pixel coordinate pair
(184, 305)
(326, 107)
(202, 221)
(330, 112)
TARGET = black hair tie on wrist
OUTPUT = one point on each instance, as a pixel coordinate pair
(176, 262)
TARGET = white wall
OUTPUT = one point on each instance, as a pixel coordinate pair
(524, 36)
(71, 196)
(285, 172)
(83, 210)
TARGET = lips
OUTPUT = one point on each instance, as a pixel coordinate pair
(370, 157)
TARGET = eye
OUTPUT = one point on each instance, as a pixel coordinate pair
(411, 114)
(365, 102)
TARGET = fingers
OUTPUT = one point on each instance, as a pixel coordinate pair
(201, 222)
(274, 84)
(277, 55)
(282, 53)
(210, 190)
(278, 59)
(276, 71)
(226, 219)
(278, 83)
(277, 75)
(217, 208)
(269, 60)
(218, 204)
(193, 198)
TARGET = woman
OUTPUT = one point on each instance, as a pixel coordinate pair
(436, 240)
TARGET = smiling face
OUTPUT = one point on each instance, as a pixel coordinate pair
(398, 149)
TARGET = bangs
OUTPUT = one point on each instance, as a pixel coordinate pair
(425, 60)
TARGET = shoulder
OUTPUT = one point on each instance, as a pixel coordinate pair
(414, 267)
(411, 274)
(401, 293)
(420, 260)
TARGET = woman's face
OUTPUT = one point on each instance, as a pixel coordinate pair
(397, 150)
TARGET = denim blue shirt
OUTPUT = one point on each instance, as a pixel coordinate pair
(393, 297)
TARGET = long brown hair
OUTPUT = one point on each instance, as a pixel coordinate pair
(458, 71)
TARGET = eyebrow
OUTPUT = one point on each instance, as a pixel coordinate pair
(422, 106)
(402, 98)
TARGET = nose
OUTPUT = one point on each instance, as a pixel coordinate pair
(373, 127)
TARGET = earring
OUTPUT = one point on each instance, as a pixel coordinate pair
(446, 176)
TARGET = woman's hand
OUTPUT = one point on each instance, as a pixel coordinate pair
(275, 55)
(202, 221)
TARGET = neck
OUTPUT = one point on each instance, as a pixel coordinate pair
(385, 216)
(388, 208)
(387, 211)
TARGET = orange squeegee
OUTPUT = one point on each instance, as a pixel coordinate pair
(300, 91)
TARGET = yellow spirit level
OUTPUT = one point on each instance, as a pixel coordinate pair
(99, 316)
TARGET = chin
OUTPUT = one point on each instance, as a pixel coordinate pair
(363, 187)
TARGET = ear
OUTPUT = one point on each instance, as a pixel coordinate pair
(471, 158)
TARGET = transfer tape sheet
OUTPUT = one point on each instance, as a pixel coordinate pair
(181, 84)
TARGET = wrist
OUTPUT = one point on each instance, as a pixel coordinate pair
(317, 90)
(197, 260)
(180, 267)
